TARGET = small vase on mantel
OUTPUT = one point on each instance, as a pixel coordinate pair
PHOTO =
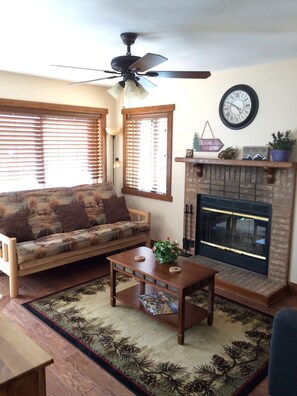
(280, 155)
(281, 146)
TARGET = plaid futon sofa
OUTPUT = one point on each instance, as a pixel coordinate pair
(46, 228)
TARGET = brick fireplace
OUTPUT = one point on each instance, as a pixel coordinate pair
(266, 182)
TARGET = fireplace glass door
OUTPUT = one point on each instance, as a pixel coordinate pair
(234, 231)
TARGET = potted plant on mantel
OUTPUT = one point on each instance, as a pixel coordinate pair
(281, 146)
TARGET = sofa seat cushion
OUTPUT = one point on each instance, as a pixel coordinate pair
(41, 204)
(78, 239)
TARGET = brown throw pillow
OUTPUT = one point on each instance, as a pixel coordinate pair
(73, 216)
(115, 209)
(16, 225)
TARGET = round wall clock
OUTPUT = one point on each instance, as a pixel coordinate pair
(238, 106)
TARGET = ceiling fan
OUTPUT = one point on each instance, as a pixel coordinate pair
(134, 69)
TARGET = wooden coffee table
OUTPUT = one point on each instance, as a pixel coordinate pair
(153, 277)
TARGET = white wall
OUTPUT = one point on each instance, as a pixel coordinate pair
(196, 102)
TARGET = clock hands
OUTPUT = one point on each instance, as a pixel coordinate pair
(238, 108)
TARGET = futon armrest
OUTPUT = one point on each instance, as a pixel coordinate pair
(8, 255)
(139, 215)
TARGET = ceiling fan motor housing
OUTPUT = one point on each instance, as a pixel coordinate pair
(122, 63)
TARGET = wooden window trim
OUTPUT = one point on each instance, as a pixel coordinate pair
(61, 109)
(54, 107)
(150, 110)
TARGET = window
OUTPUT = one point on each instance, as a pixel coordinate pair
(148, 151)
(47, 145)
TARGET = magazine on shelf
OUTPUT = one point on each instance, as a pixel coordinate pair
(159, 303)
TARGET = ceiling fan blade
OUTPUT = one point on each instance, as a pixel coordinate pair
(95, 79)
(178, 74)
(147, 84)
(147, 62)
(85, 68)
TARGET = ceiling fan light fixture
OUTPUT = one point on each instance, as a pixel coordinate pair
(116, 90)
(134, 90)
(142, 93)
(131, 91)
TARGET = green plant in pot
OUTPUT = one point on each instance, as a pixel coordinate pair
(281, 146)
(166, 252)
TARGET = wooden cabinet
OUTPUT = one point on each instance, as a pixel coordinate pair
(22, 362)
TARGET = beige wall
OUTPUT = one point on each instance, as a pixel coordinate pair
(196, 102)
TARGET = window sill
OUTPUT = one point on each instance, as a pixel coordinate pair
(145, 194)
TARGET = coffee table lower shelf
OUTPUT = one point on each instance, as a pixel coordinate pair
(193, 314)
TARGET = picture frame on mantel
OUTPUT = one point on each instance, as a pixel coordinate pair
(189, 153)
(255, 153)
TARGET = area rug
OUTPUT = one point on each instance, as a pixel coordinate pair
(228, 358)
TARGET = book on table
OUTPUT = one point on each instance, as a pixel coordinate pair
(159, 303)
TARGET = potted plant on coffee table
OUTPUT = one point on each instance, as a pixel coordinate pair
(166, 252)
(281, 146)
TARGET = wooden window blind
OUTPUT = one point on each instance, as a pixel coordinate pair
(148, 151)
(42, 147)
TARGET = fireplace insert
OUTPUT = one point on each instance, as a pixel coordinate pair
(234, 231)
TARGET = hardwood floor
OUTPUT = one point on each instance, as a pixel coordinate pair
(73, 374)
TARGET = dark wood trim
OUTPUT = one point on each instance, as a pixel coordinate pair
(269, 166)
(25, 104)
(149, 109)
(152, 195)
(245, 163)
(293, 288)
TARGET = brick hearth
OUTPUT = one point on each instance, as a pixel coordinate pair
(248, 183)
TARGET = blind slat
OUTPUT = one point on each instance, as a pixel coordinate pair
(49, 149)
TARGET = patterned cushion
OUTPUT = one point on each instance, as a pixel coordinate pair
(11, 202)
(115, 209)
(92, 196)
(42, 217)
(63, 242)
(16, 225)
(41, 203)
(73, 216)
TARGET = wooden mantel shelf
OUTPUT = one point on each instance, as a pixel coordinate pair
(269, 166)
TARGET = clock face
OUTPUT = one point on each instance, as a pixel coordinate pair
(238, 106)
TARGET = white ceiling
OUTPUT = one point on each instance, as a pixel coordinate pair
(209, 35)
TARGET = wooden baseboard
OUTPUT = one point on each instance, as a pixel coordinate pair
(292, 288)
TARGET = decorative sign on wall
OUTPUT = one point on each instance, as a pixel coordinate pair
(200, 144)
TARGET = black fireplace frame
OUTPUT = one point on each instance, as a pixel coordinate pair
(236, 205)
